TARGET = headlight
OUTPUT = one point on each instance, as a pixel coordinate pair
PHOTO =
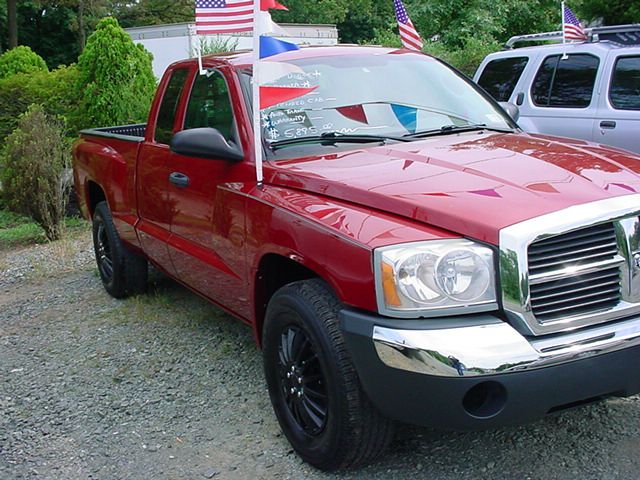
(437, 277)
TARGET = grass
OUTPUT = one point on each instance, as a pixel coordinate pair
(17, 230)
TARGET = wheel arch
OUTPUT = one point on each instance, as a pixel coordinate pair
(95, 194)
(274, 272)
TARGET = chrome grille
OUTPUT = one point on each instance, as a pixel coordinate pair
(589, 245)
(576, 273)
(572, 268)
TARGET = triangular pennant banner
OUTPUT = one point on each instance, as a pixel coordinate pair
(437, 194)
(487, 193)
(542, 187)
(272, 71)
(355, 113)
(267, 25)
(407, 116)
(270, 96)
(271, 5)
(620, 185)
(270, 46)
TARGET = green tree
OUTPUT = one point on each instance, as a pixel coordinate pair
(12, 23)
(463, 32)
(116, 81)
(33, 162)
(55, 29)
(4, 37)
(21, 60)
(367, 21)
(55, 91)
(323, 11)
(456, 22)
(531, 17)
(612, 12)
(213, 45)
(86, 15)
(153, 12)
(45, 27)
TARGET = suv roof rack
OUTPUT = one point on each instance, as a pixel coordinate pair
(622, 34)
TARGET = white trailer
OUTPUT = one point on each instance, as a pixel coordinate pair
(170, 43)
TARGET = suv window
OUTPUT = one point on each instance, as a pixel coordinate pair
(167, 113)
(500, 76)
(565, 83)
(209, 105)
(625, 85)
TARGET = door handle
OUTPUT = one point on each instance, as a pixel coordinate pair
(608, 124)
(520, 99)
(179, 179)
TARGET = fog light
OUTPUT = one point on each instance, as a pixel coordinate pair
(485, 400)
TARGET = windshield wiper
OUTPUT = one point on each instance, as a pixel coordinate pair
(331, 138)
(449, 129)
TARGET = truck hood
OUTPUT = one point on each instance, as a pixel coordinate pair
(473, 184)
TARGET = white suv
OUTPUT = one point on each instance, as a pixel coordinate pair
(592, 93)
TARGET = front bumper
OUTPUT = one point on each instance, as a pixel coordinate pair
(478, 372)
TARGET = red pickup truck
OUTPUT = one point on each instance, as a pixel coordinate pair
(411, 255)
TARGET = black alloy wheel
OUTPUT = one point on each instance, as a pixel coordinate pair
(103, 253)
(314, 387)
(122, 272)
(302, 381)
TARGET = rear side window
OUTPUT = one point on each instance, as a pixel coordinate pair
(565, 83)
(169, 105)
(625, 84)
(500, 76)
(209, 105)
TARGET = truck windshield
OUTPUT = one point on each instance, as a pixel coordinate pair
(378, 95)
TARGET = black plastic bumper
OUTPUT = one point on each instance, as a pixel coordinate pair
(513, 398)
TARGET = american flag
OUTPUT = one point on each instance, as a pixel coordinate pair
(572, 27)
(408, 34)
(223, 16)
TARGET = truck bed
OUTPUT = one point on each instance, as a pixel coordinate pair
(131, 133)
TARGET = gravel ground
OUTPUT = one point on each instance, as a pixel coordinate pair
(165, 386)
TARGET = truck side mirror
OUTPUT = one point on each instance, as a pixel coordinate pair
(512, 110)
(205, 143)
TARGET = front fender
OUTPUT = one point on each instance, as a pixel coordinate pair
(332, 238)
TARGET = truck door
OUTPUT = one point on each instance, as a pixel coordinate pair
(152, 181)
(618, 121)
(562, 99)
(207, 219)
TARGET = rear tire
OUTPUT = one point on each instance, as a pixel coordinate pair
(314, 388)
(122, 272)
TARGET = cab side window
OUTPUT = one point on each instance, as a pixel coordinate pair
(210, 106)
(625, 85)
(500, 76)
(169, 105)
(565, 83)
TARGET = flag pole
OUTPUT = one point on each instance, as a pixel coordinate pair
(564, 36)
(196, 45)
(202, 70)
(257, 135)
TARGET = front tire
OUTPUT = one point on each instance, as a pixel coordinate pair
(122, 272)
(314, 388)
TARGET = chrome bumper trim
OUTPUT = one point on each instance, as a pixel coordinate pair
(495, 349)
